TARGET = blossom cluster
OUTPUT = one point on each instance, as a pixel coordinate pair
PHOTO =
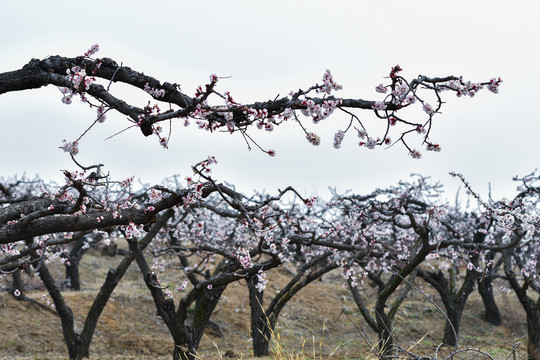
(132, 231)
(428, 108)
(379, 105)
(328, 83)
(338, 138)
(157, 93)
(261, 281)
(245, 259)
(70, 147)
(313, 138)
(79, 79)
(101, 117)
(433, 147)
(93, 49)
(381, 89)
(415, 154)
(319, 112)
(494, 84)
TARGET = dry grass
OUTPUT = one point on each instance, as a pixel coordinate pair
(321, 322)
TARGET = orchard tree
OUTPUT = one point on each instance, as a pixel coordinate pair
(518, 221)
(393, 229)
(467, 229)
(219, 238)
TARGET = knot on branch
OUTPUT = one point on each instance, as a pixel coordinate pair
(146, 127)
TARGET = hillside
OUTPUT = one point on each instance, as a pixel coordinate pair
(321, 322)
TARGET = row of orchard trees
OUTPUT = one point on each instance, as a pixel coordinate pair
(386, 237)
(389, 237)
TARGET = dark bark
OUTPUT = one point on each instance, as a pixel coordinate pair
(73, 280)
(491, 314)
(183, 336)
(204, 308)
(454, 299)
(384, 330)
(78, 250)
(79, 343)
(260, 330)
(17, 284)
(44, 222)
(263, 321)
(72, 269)
(485, 288)
(76, 348)
(531, 307)
(52, 71)
(381, 322)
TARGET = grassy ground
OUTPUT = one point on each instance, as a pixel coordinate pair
(320, 323)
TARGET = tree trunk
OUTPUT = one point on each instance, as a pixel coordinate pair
(73, 280)
(78, 249)
(454, 300)
(454, 314)
(386, 340)
(259, 322)
(76, 349)
(183, 351)
(533, 332)
(18, 284)
(204, 308)
(532, 308)
(491, 313)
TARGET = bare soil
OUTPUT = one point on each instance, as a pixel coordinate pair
(320, 322)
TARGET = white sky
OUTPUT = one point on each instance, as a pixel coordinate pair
(270, 48)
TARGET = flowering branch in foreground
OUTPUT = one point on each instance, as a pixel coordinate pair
(212, 110)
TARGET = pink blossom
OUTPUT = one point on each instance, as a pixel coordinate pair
(101, 117)
(428, 108)
(415, 154)
(93, 49)
(394, 71)
(262, 281)
(182, 286)
(379, 105)
(313, 138)
(309, 202)
(211, 160)
(245, 259)
(157, 93)
(399, 93)
(370, 143)
(338, 138)
(381, 89)
(433, 147)
(71, 147)
(362, 133)
(164, 142)
(494, 85)
(328, 83)
(132, 231)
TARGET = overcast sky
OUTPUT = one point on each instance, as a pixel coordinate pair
(270, 48)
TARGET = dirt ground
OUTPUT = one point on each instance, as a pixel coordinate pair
(321, 322)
